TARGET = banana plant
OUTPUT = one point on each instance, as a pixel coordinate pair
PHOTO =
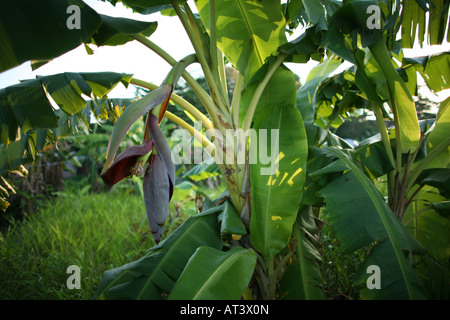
(274, 145)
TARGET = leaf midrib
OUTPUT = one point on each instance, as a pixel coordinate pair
(223, 266)
(252, 34)
(269, 197)
(167, 255)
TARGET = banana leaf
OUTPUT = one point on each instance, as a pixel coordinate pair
(155, 274)
(276, 197)
(360, 217)
(247, 31)
(27, 105)
(306, 95)
(146, 6)
(37, 30)
(212, 274)
(416, 26)
(303, 278)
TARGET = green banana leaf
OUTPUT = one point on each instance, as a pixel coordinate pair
(316, 13)
(202, 171)
(28, 120)
(117, 31)
(212, 274)
(280, 89)
(438, 178)
(247, 31)
(306, 95)
(230, 222)
(146, 6)
(158, 271)
(29, 144)
(439, 134)
(430, 227)
(360, 217)
(303, 278)
(435, 70)
(401, 101)
(37, 30)
(374, 159)
(442, 208)
(276, 197)
(301, 49)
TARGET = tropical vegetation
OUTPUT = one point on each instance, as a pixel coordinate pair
(385, 199)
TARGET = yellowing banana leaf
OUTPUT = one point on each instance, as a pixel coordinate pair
(435, 70)
(247, 31)
(27, 106)
(211, 274)
(415, 25)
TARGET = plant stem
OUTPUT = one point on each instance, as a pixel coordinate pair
(402, 197)
(206, 123)
(204, 97)
(207, 144)
(222, 76)
(276, 274)
(236, 102)
(201, 57)
(210, 51)
(414, 216)
(178, 69)
(212, 40)
(425, 162)
(383, 132)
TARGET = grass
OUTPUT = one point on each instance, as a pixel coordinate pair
(96, 232)
(339, 269)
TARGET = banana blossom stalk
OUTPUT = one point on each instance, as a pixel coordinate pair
(151, 159)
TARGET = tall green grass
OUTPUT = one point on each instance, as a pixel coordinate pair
(96, 232)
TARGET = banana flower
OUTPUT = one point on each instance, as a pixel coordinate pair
(151, 159)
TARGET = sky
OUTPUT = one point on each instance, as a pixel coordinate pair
(138, 60)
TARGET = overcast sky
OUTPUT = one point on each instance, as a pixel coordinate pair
(136, 59)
